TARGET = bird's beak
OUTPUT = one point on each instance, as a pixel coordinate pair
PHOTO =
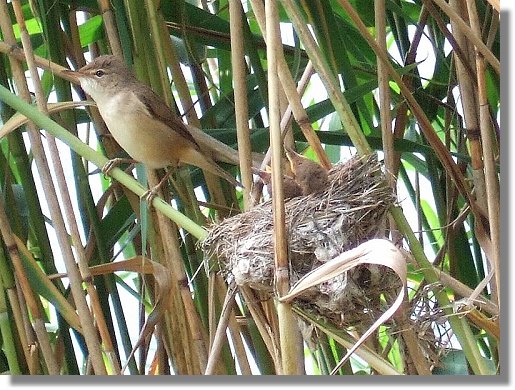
(71, 75)
(263, 175)
(291, 155)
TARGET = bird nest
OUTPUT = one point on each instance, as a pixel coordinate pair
(320, 226)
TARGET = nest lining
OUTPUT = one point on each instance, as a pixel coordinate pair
(320, 226)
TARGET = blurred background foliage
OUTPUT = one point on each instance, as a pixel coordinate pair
(416, 81)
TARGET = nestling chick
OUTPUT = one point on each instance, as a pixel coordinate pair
(290, 188)
(309, 175)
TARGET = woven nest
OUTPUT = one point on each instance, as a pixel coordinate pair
(320, 226)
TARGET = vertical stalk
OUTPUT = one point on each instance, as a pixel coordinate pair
(6, 331)
(289, 341)
(488, 149)
(401, 119)
(384, 92)
(37, 318)
(469, 102)
(220, 333)
(234, 329)
(110, 27)
(7, 285)
(173, 256)
(239, 72)
(158, 41)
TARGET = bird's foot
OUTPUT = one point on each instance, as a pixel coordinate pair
(113, 163)
(150, 195)
(153, 192)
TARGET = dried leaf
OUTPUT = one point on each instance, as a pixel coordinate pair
(377, 251)
(162, 276)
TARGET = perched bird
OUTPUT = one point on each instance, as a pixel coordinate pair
(290, 188)
(309, 175)
(139, 119)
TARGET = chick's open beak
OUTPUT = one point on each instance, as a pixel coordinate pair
(292, 157)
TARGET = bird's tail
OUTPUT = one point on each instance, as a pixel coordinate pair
(195, 157)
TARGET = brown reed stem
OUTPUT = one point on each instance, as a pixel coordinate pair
(239, 72)
(288, 330)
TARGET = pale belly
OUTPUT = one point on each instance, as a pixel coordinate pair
(144, 139)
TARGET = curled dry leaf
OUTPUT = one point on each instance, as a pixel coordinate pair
(377, 251)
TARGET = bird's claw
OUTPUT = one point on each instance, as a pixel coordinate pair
(113, 163)
(108, 166)
(149, 195)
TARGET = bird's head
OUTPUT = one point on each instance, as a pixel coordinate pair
(102, 76)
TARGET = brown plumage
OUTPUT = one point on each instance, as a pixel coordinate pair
(290, 188)
(309, 175)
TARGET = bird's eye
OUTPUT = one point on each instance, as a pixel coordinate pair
(99, 73)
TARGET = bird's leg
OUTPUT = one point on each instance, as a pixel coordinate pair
(113, 163)
(152, 193)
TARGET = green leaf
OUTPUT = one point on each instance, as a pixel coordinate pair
(453, 363)
(91, 31)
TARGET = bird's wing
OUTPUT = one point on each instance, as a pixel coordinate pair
(157, 108)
